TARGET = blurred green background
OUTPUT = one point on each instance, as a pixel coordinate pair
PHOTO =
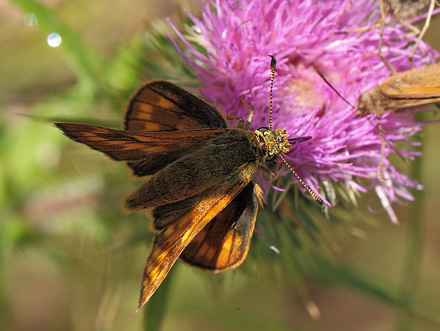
(71, 260)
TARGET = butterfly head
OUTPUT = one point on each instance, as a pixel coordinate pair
(272, 142)
(370, 103)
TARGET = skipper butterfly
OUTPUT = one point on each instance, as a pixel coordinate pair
(200, 189)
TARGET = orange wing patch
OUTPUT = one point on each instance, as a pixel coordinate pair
(420, 83)
(163, 106)
(169, 244)
(224, 243)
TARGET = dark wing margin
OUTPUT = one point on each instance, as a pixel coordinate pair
(162, 106)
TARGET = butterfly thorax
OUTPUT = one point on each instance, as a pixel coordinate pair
(272, 142)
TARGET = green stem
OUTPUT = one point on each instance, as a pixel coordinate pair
(413, 251)
(154, 311)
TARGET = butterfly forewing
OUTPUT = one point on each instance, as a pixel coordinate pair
(145, 152)
(402, 90)
(163, 106)
(395, 104)
(421, 83)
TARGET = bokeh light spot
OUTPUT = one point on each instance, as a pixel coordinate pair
(54, 40)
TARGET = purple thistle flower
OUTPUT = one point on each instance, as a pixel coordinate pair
(229, 46)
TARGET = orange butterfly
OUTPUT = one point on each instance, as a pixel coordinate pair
(411, 88)
(200, 186)
(415, 87)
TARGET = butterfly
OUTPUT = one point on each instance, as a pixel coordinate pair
(411, 88)
(199, 176)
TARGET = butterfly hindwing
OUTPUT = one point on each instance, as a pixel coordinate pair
(180, 230)
(224, 243)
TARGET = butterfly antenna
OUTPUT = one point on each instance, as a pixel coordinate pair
(273, 64)
(336, 91)
(307, 187)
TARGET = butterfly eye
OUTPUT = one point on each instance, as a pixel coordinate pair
(263, 129)
(271, 158)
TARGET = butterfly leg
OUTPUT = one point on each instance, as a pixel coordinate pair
(251, 114)
(422, 33)
(384, 142)
(415, 30)
(381, 163)
(238, 119)
(383, 13)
